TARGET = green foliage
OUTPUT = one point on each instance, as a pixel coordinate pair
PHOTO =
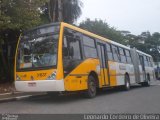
(15, 16)
(146, 42)
(71, 10)
(20, 14)
(153, 46)
(101, 28)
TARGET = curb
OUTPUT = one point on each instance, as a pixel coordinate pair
(10, 93)
(19, 96)
(15, 98)
(7, 100)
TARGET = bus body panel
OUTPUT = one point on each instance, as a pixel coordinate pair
(60, 61)
(150, 72)
(77, 79)
(40, 86)
(35, 75)
(111, 75)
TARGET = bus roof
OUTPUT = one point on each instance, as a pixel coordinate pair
(87, 33)
(43, 26)
(94, 35)
(144, 53)
(101, 38)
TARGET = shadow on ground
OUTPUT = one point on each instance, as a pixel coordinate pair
(74, 97)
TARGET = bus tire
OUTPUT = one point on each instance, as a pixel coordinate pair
(92, 90)
(127, 85)
(147, 83)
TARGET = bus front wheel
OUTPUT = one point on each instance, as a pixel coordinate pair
(91, 91)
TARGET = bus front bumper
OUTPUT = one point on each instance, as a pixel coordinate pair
(40, 86)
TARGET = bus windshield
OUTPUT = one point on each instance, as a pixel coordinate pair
(38, 48)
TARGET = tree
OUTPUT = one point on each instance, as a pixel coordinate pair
(102, 28)
(64, 10)
(15, 16)
(153, 46)
(146, 42)
(20, 14)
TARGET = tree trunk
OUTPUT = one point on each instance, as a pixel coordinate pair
(52, 10)
(4, 66)
(60, 15)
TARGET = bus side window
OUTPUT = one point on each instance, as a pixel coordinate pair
(72, 54)
(146, 61)
(128, 56)
(115, 53)
(89, 47)
(71, 48)
(65, 48)
(109, 52)
(150, 62)
(122, 55)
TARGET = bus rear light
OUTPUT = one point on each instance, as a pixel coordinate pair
(18, 78)
(52, 76)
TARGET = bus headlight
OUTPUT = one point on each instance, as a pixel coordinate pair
(18, 78)
(52, 76)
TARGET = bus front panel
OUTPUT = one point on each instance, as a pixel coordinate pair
(37, 60)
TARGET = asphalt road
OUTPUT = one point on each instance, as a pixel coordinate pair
(137, 100)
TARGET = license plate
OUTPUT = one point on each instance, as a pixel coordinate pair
(32, 84)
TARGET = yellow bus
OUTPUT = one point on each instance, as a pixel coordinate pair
(60, 57)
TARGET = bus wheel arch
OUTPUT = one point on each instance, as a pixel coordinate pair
(147, 82)
(94, 74)
(92, 84)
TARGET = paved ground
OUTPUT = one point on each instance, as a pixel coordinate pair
(137, 100)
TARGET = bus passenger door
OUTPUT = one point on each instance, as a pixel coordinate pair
(143, 67)
(103, 64)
